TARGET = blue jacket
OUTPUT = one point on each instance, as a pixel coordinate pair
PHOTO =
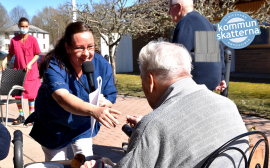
(4, 141)
(56, 128)
(208, 73)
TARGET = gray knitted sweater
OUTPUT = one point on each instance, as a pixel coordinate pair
(187, 125)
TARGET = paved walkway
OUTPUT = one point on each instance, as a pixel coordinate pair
(108, 141)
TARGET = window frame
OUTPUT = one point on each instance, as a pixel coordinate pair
(7, 46)
(261, 45)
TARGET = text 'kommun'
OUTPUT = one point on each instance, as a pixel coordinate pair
(237, 30)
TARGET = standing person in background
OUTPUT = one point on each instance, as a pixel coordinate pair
(26, 50)
(188, 22)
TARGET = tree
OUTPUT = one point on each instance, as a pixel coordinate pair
(51, 20)
(16, 13)
(4, 21)
(114, 16)
(215, 10)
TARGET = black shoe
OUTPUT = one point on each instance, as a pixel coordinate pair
(19, 120)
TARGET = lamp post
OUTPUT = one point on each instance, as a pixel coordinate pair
(74, 17)
(57, 28)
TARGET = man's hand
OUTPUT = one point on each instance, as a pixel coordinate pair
(89, 164)
(222, 86)
(133, 120)
(95, 164)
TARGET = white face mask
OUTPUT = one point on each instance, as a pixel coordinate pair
(23, 31)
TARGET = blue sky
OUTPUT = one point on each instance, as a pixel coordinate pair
(31, 6)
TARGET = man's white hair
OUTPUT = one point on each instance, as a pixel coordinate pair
(184, 3)
(166, 60)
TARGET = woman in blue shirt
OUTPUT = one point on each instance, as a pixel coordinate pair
(62, 110)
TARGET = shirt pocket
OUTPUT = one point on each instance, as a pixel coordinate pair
(30, 76)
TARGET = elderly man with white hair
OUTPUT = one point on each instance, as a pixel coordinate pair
(187, 23)
(188, 121)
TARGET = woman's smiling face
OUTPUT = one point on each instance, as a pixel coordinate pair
(81, 49)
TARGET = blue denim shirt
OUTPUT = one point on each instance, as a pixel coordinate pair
(55, 127)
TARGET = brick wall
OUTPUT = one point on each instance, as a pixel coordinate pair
(252, 60)
(139, 43)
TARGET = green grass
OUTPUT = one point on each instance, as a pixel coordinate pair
(129, 85)
(250, 98)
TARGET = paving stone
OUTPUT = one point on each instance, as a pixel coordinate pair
(108, 142)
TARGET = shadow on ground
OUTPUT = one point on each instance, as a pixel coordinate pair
(111, 152)
(9, 119)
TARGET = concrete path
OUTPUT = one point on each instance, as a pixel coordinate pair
(108, 142)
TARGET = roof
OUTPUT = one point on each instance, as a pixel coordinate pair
(32, 29)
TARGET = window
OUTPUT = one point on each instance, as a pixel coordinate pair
(43, 36)
(44, 46)
(7, 47)
(263, 38)
(6, 36)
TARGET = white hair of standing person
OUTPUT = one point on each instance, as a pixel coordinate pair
(166, 60)
(184, 3)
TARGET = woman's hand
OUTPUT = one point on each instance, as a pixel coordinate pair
(75, 105)
(103, 102)
(3, 65)
(106, 116)
(5, 61)
(28, 67)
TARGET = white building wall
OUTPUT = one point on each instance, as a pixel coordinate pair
(43, 41)
(1, 39)
(124, 54)
(104, 49)
(7, 42)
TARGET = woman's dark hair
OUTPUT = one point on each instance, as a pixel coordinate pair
(23, 19)
(59, 52)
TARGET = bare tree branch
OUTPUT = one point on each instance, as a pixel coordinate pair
(16, 13)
